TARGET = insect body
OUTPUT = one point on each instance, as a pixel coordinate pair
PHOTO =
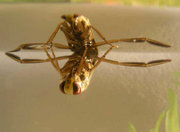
(77, 71)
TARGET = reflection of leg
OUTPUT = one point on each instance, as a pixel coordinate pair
(102, 57)
(150, 41)
(136, 64)
(18, 59)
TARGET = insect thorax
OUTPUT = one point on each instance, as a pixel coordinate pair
(77, 30)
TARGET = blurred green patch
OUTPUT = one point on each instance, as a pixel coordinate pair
(158, 123)
(131, 128)
(171, 117)
(123, 2)
(177, 75)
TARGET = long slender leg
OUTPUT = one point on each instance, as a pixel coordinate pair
(60, 46)
(54, 33)
(150, 41)
(38, 46)
(18, 59)
(45, 48)
(102, 58)
(105, 41)
(137, 64)
(56, 62)
(51, 60)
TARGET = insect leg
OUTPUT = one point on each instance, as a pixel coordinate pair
(134, 40)
(105, 41)
(60, 46)
(56, 62)
(18, 59)
(38, 46)
(55, 65)
(54, 33)
(33, 46)
(137, 64)
(30, 46)
(102, 58)
(52, 60)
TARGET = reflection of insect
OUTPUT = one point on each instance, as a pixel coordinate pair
(78, 69)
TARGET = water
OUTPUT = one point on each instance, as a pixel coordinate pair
(30, 98)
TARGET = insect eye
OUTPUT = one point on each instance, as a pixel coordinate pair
(61, 87)
(76, 89)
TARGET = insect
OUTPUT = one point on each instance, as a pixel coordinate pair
(77, 71)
